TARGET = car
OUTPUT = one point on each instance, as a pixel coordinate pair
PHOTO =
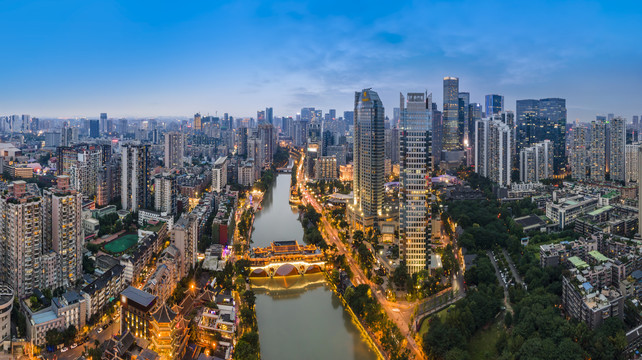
(99, 330)
(73, 346)
(64, 349)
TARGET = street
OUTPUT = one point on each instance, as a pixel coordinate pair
(73, 354)
(392, 309)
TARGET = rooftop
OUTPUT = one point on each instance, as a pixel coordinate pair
(138, 296)
(598, 256)
(43, 317)
(577, 262)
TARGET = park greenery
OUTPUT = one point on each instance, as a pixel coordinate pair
(367, 308)
(111, 223)
(536, 328)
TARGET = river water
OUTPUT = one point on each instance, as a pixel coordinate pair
(299, 317)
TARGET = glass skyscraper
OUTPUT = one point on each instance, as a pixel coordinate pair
(450, 140)
(414, 170)
(369, 151)
(494, 104)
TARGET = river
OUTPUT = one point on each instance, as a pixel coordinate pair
(299, 317)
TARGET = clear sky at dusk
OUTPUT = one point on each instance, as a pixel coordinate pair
(154, 58)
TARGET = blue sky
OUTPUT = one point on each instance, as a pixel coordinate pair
(154, 58)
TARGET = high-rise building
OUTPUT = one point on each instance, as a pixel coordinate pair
(640, 190)
(269, 115)
(527, 114)
(184, 236)
(369, 151)
(536, 162)
(174, 149)
(414, 187)
(493, 154)
(135, 177)
(617, 137)
(579, 153)
(103, 123)
(597, 152)
(63, 230)
(165, 193)
(464, 104)
(494, 105)
(450, 115)
(21, 235)
(267, 137)
(437, 128)
(94, 127)
(219, 174)
(631, 154)
(552, 113)
(198, 125)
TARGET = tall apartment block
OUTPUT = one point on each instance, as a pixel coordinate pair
(63, 230)
(21, 234)
(135, 177)
(174, 150)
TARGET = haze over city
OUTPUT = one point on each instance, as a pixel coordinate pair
(150, 58)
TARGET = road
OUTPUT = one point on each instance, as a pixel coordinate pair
(512, 268)
(501, 281)
(395, 311)
(73, 354)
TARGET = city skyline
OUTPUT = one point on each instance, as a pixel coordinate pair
(133, 61)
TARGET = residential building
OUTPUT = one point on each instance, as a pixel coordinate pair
(579, 154)
(598, 150)
(493, 159)
(219, 174)
(564, 211)
(184, 236)
(536, 162)
(62, 228)
(165, 193)
(135, 177)
(325, 168)
(174, 149)
(21, 233)
(617, 143)
(631, 163)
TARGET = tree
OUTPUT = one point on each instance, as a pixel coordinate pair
(400, 275)
(242, 267)
(249, 298)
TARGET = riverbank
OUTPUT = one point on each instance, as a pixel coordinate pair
(364, 332)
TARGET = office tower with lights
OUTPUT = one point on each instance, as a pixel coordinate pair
(450, 115)
(94, 129)
(174, 149)
(494, 105)
(63, 230)
(369, 152)
(437, 128)
(414, 185)
(198, 124)
(269, 115)
(597, 152)
(135, 177)
(579, 153)
(464, 103)
(527, 114)
(552, 115)
(617, 137)
(21, 234)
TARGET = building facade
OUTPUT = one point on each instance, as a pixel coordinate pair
(415, 167)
